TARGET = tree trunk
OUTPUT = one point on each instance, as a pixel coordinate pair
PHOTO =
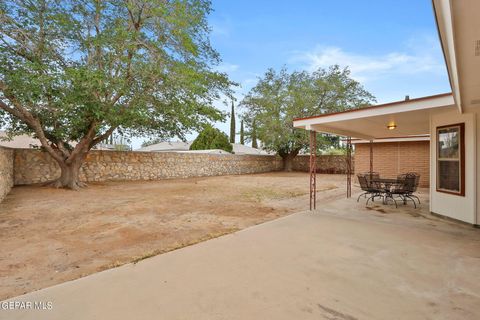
(288, 162)
(288, 159)
(69, 177)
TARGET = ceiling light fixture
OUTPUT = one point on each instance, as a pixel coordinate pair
(391, 126)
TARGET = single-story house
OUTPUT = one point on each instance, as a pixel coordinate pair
(167, 146)
(450, 118)
(25, 141)
(21, 141)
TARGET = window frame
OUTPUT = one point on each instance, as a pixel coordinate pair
(461, 161)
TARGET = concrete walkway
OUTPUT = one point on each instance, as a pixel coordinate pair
(342, 262)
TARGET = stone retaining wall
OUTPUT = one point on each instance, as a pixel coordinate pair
(325, 164)
(6, 171)
(34, 166)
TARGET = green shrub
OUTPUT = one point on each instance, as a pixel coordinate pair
(211, 138)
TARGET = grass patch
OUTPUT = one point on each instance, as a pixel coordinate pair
(262, 193)
(153, 253)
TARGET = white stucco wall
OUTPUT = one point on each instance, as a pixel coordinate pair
(458, 207)
(477, 118)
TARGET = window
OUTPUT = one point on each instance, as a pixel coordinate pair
(451, 159)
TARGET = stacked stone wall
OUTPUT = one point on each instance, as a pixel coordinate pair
(35, 166)
(6, 171)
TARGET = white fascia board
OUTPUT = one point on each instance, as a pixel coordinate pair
(445, 23)
(406, 139)
(416, 105)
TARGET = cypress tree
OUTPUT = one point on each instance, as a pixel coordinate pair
(242, 134)
(232, 125)
(254, 135)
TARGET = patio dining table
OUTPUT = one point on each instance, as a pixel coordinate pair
(386, 184)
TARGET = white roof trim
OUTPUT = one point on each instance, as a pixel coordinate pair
(403, 139)
(444, 20)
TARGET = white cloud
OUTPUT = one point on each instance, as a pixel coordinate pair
(227, 67)
(418, 57)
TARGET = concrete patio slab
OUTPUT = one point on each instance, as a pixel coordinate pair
(342, 262)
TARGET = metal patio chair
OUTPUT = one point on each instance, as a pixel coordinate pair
(415, 186)
(369, 176)
(407, 184)
(369, 189)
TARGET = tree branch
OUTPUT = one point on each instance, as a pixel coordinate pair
(83, 146)
(103, 136)
(58, 143)
(23, 114)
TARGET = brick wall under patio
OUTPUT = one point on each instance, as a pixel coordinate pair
(393, 158)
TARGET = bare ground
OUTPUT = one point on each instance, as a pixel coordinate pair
(49, 236)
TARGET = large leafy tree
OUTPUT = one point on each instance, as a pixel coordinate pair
(279, 97)
(74, 71)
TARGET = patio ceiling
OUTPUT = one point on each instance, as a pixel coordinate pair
(411, 117)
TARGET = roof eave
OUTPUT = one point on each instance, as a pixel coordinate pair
(388, 108)
(442, 10)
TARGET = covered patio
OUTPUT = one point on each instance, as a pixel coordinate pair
(410, 118)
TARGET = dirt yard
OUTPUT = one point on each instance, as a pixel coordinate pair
(49, 236)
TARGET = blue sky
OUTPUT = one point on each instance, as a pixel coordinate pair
(391, 46)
